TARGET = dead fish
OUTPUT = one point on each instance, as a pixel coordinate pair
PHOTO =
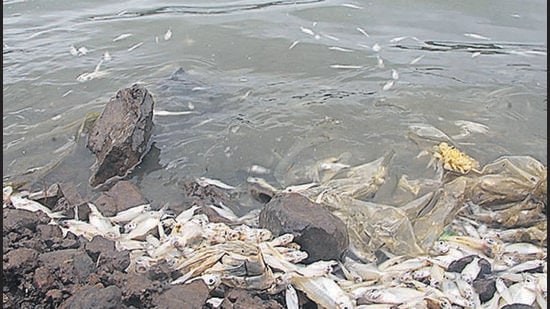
(352, 6)
(476, 36)
(131, 213)
(102, 223)
(6, 193)
(171, 113)
(293, 44)
(168, 34)
(107, 56)
(323, 291)
(291, 298)
(187, 214)
(122, 37)
(23, 203)
(307, 31)
(92, 75)
(388, 85)
(428, 132)
(225, 212)
(363, 32)
(346, 50)
(394, 74)
(416, 60)
(203, 181)
(345, 66)
(257, 169)
(131, 48)
(80, 228)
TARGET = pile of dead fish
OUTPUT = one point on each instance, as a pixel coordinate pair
(478, 242)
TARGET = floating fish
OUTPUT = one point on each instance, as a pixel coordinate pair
(168, 34)
(122, 37)
(362, 31)
(135, 46)
(307, 31)
(476, 36)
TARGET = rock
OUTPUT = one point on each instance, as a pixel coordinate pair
(43, 279)
(50, 237)
(135, 287)
(17, 219)
(242, 299)
(320, 233)
(120, 136)
(458, 265)
(20, 259)
(485, 288)
(47, 197)
(192, 295)
(70, 265)
(95, 297)
(103, 251)
(71, 198)
(123, 195)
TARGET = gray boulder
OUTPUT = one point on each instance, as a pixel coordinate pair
(318, 232)
(120, 136)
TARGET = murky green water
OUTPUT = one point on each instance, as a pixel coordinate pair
(278, 84)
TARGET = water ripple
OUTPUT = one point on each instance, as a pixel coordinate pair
(200, 9)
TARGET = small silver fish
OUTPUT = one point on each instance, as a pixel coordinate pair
(362, 31)
(130, 213)
(122, 36)
(476, 36)
(23, 203)
(135, 46)
(203, 181)
(307, 31)
(168, 34)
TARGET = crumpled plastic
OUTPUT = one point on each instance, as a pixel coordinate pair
(510, 192)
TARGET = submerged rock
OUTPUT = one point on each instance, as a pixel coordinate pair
(318, 232)
(120, 136)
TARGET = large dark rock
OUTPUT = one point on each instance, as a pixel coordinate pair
(191, 295)
(95, 297)
(320, 233)
(120, 136)
(240, 299)
(123, 195)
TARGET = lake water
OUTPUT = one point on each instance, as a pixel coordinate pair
(278, 84)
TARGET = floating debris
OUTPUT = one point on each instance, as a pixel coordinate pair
(454, 160)
(293, 44)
